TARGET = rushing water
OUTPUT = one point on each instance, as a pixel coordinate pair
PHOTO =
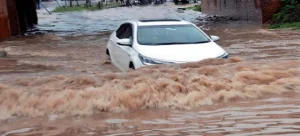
(269, 116)
(180, 86)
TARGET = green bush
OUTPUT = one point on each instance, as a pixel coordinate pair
(289, 14)
(290, 2)
(295, 25)
(195, 8)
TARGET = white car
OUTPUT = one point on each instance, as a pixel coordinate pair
(147, 42)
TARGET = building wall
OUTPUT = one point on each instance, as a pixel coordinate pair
(4, 26)
(238, 9)
(260, 11)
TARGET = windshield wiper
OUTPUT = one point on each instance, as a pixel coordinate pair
(171, 43)
(200, 42)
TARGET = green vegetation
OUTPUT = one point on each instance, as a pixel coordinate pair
(84, 8)
(69, 9)
(295, 25)
(289, 15)
(195, 8)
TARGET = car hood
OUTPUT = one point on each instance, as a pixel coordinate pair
(182, 52)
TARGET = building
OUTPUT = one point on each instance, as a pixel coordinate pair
(4, 28)
(16, 16)
(251, 10)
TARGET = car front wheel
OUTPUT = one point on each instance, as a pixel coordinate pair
(131, 66)
(108, 54)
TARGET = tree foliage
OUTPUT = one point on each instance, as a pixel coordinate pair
(290, 2)
(289, 13)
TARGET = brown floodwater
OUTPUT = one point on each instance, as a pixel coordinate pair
(64, 85)
(273, 115)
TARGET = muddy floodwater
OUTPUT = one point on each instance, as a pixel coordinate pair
(62, 84)
(87, 22)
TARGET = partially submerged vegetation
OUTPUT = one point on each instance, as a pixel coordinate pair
(195, 8)
(295, 25)
(99, 6)
(289, 15)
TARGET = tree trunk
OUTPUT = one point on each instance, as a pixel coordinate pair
(88, 3)
(77, 3)
(21, 15)
(71, 3)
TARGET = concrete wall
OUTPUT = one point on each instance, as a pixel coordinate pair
(4, 26)
(239, 9)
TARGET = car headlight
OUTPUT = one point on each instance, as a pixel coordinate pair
(149, 61)
(225, 55)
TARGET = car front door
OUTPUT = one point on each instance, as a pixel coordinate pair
(122, 53)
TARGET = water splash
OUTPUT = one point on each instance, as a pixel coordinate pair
(176, 86)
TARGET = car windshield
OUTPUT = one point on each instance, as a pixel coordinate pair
(170, 34)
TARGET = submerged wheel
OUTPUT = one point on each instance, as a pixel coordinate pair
(107, 53)
(131, 66)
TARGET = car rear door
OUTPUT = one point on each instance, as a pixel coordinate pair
(113, 43)
(122, 53)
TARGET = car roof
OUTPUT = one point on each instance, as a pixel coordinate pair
(152, 22)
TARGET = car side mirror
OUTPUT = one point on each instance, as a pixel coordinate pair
(124, 42)
(215, 38)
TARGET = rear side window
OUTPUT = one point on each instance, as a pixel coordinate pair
(121, 30)
(125, 31)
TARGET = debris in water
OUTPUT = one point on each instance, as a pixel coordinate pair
(52, 117)
(18, 131)
(181, 10)
(3, 54)
(115, 121)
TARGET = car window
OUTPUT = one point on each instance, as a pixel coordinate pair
(125, 31)
(122, 29)
(128, 32)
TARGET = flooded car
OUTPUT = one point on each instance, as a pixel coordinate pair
(148, 42)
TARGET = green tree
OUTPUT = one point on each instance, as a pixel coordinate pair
(289, 13)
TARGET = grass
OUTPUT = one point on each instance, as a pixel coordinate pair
(83, 8)
(195, 8)
(295, 25)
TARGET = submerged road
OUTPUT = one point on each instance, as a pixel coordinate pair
(87, 22)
